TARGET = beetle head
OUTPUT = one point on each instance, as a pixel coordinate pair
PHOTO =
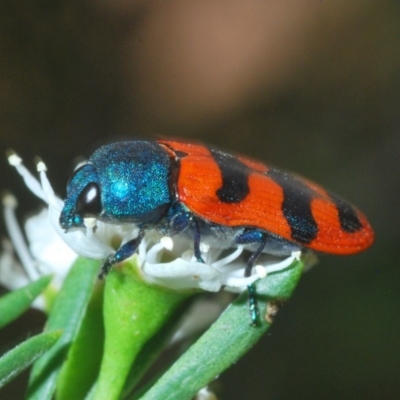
(122, 182)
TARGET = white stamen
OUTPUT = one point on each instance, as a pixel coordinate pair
(296, 255)
(48, 191)
(10, 201)
(188, 255)
(90, 222)
(17, 238)
(283, 264)
(12, 274)
(41, 166)
(30, 181)
(228, 259)
(205, 394)
(14, 159)
(152, 255)
(260, 271)
(142, 252)
(240, 283)
(167, 242)
(204, 247)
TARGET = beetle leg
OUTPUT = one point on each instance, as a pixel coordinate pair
(196, 243)
(124, 252)
(179, 222)
(248, 237)
(253, 306)
(254, 257)
(252, 236)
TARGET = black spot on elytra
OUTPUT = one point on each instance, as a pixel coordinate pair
(296, 206)
(348, 217)
(235, 176)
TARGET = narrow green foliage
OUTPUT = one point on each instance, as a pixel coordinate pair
(66, 314)
(22, 356)
(134, 312)
(13, 304)
(226, 341)
(84, 357)
(152, 350)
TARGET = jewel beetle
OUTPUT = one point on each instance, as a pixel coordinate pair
(211, 196)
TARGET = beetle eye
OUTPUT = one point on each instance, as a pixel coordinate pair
(88, 203)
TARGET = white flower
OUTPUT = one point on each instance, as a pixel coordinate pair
(205, 394)
(53, 250)
(12, 274)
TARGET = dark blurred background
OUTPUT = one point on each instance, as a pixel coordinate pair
(308, 85)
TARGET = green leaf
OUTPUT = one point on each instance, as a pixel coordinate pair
(134, 311)
(84, 358)
(226, 341)
(152, 350)
(66, 314)
(13, 304)
(22, 356)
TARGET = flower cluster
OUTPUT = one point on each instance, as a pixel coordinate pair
(163, 260)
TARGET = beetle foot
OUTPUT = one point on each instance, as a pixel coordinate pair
(106, 268)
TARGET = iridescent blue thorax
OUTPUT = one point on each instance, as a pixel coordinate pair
(122, 182)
